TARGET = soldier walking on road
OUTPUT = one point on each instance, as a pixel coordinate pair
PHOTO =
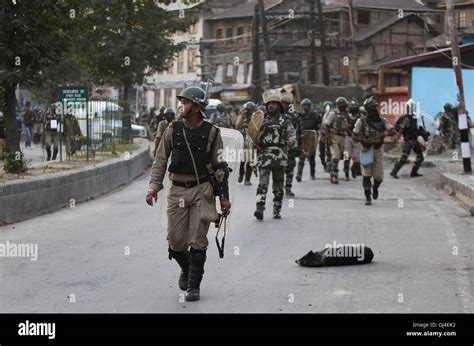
(335, 127)
(276, 135)
(242, 124)
(169, 115)
(351, 148)
(195, 146)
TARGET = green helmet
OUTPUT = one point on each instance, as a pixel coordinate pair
(306, 102)
(370, 102)
(341, 102)
(354, 104)
(287, 98)
(448, 106)
(220, 107)
(249, 106)
(195, 95)
(169, 110)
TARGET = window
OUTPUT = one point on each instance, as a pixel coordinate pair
(363, 17)
(240, 32)
(192, 54)
(171, 66)
(168, 97)
(249, 73)
(229, 73)
(462, 22)
(240, 74)
(219, 33)
(157, 97)
(228, 34)
(192, 29)
(218, 76)
(181, 62)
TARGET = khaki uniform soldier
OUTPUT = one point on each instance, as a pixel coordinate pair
(370, 130)
(336, 128)
(352, 148)
(190, 205)
(242, 124)
(169, 115)
(221, 118)
(324, 152)
(446, 125)
(276, 135)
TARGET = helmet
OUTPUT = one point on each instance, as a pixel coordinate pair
(228, 108)
(249, 106)
(195, 95)
(287, 97)
(220, 107)
(362, 110)
(306, 102)
(270, 95)
(448, 106)
(354, 104)
(169, 110)
(370, 102)
(341, 102)
(327, 103)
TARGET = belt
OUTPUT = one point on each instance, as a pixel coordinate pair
(189, 184)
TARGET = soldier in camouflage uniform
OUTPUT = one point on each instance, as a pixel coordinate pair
(370, 130)
(276, 135)
(351, 148)
(310, 121)
(294, 152)
(336, 128)
(446, 125)
(242, 124)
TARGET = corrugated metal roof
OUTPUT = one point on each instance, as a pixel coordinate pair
(372, 30)
(244, 10)
(406, 5)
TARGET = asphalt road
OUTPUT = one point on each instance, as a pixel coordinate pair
(110, 255)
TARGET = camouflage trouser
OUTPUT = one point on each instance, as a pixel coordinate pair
(290, 169)
(277, 186)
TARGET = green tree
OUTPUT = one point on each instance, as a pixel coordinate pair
(124, 41)
(33, 37)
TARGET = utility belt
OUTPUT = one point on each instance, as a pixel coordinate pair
(189, 184)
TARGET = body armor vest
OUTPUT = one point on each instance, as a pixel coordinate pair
(411, 132)
(310, 121)
(273, 133)
(198, 138)
(340, 124)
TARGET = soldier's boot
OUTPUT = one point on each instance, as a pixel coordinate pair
(183, 260)
(375, 189)
(55, 153)
(241, 178)
(248, 175)
(197, 258)
(259, 212)
(414, 171)
(334, 179)
(355, 169)
(396, 168)
(347, 164)
(276, 213)
(289, 193)
(334, 172)
(48, 153)
(367, 184)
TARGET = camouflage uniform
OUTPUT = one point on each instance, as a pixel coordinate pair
(351, 148)
(297, 122)
(221, 119)
(446, 124)
(272, 155)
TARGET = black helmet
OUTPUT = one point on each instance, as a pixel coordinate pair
(169, 110)
(220, 107)
(306, 102)
(249, 106)
(341, 102)
(448, 106)
(228, 108)
(370, 102)
(195, 95)
(354, 104)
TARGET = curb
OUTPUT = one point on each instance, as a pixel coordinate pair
(460, 186)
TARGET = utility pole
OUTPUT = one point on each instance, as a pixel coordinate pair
(256, 74)
(354, 48)
(312, 61)
(462, 117)
(322, 35)
(266, 41)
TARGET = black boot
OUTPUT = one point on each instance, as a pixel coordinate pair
(367, 184)
(48, 153)
(289, 193)
(183, 260)
(358, 169)
(197, 258)
(396, 168)
(354, 171)
(259, 213)
(241, 178)
(346, 169)
(414, 172)
(375, 189)
(55, 153)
